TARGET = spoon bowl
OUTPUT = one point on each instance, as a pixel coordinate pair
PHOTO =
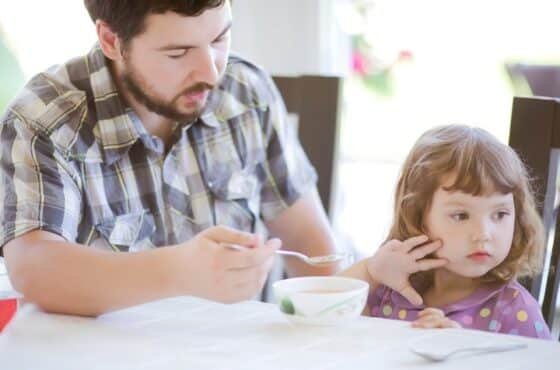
(318, 260)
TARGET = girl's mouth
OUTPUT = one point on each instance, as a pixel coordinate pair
(479, 256)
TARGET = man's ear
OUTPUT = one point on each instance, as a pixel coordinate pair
(109, 41)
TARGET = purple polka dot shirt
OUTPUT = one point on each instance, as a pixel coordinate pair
(507, 308)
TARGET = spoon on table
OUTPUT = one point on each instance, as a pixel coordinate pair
(442, 355)
(314, 261)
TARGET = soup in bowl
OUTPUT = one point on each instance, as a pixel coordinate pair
(321, 300)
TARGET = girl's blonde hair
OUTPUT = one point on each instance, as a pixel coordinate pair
(481, 165)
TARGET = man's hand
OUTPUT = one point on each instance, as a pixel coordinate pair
(396, 260)
(431, 318)
(211, 270)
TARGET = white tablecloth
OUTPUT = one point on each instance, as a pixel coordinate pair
(190, 333)
(6, 290)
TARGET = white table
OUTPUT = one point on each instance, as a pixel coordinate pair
(6, 290)
(190, 333)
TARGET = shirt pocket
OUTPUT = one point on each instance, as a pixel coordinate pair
(128, 232)
(236, 198)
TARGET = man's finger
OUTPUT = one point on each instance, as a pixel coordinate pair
(227, 235)
(242, 259)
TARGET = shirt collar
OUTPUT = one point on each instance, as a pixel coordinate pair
(479, 296)
(114, 129)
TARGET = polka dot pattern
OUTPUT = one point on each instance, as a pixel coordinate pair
(494, 325)
(467, 320)
(539, 326)
(387, 310)
(509, 310)
(522, 315)
(485, 312)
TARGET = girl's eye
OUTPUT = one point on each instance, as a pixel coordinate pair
(501, 215)
(460, 216)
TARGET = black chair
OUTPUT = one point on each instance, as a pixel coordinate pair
(315, 102)
(535, 136)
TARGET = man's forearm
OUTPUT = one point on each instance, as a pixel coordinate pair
(304, 228)
(66, 278)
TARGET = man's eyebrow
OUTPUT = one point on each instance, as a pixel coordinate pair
(187, 47)
(225, 30)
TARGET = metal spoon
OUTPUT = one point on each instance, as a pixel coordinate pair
(434, 355)
(314, 261)
(317, 260)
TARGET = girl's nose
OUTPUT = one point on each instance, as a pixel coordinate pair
(481, 231)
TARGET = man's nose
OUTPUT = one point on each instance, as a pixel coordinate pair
(205, 69)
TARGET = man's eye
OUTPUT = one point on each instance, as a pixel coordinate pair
(177, 55)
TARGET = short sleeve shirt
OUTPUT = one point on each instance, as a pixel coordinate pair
(507, 308)
(76, 161)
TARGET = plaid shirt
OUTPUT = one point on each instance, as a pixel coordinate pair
(75, 161)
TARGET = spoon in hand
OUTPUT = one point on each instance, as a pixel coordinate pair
(314, 261)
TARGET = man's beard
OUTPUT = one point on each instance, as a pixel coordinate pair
(141, 93)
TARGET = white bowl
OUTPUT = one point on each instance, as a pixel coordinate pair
(321, 300)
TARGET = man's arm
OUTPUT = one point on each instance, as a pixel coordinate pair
(69, 278)
(304, 227)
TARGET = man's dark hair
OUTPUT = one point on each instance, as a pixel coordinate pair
(126, 17)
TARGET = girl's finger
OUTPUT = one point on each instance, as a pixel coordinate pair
(422, 251)
(428, 322)
(415, 241)
(411, 295)
(431, 311)
(430, 263)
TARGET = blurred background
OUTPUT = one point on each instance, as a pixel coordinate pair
(407, 66)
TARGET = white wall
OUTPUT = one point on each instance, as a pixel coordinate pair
(290, 37)
(286, 37)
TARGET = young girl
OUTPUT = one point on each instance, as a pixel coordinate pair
(465, 227)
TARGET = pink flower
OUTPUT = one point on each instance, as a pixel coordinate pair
(359, 63)
(405, 55)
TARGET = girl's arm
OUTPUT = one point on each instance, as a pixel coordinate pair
(359, 271)
(394, 262)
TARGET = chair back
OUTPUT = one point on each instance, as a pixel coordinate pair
(536, 80)
(535, 136)
(315, 101)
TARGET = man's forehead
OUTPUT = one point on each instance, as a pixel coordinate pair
(175, 26)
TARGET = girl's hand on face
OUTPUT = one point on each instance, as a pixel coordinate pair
(431, 318)
(396, 260)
